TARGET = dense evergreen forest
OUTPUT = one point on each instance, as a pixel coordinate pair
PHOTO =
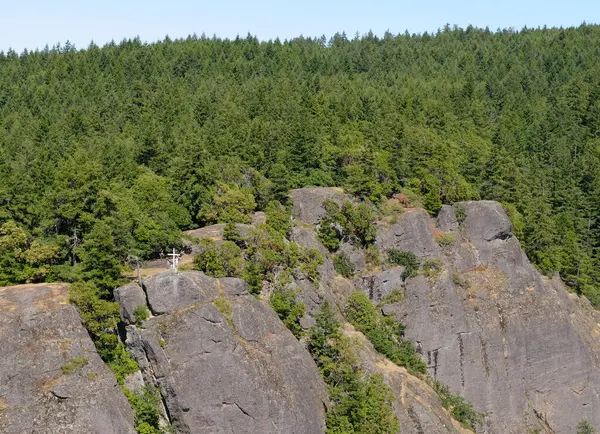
(107, 153)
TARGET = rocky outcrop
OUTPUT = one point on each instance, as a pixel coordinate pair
(380, 285)
(223, 361)
(130, 298)
(412, 233)
(417, 406)
(308, 202)
(51, 378)
(518, 346)
(216, 232)
(515, 344)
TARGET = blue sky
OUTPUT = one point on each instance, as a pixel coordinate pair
(34, 23)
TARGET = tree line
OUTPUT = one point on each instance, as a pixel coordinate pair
(107, 153)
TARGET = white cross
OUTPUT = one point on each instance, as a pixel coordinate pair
(174, 259)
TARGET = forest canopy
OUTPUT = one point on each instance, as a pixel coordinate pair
(107, 153)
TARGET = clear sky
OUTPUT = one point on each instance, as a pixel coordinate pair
(34, 23)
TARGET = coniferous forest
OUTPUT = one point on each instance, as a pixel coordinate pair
(108, 153)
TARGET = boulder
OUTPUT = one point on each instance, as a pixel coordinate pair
(258, 218)
(129, 298)
(176, 290)
(223, 361)
(446, 219)
(308, 202)
(51, 378)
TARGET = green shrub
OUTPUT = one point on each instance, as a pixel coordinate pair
(329, 235)
(121, 363)
(373, 256)
(100, 316)
(219, 261)
(232, 233)
(408, 260)
(359, 226)
(584, 427)
(141, 314)
(384, 333)
(458, 280)
(229, 204)
(253, 275)
(342, 265)
(310, 261)
(360, 403)
(460, 212)
(278, 218)
(353, 223)
(446, 239)
(284, 303)
(390, 207)
(460, 409)
(145, 405)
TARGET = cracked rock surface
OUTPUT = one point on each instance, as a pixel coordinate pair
(517, 345)
(223, 361)
(51, 378)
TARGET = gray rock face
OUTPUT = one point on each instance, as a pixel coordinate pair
(412, 233)
(223, 360)
(355, 255)
(516, 345)
(378, 286)
(259, 218)
(311, 294)
(51, 378)
(417, 407)
(129, 298)
(308, 202)
(446, 219)
(172, 290)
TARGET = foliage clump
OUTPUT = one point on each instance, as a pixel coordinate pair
(445, 239)
(385, 334)
(585, 427)
(279, 218)
(460, 409)
(342, 265)
(100, 317)
(350, 222)
(141, 313)
(461, 213)
(432, 268)
(145, 404)
(395, 296)
(284, 302)
(408, 260)
(219, 260)
(230, 204)
(361, 403)
(263, 254)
